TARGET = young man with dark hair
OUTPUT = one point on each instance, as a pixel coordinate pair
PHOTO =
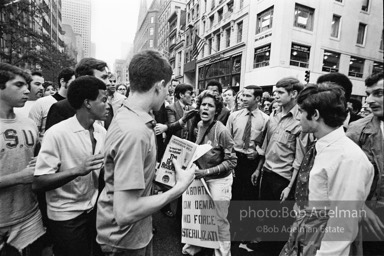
(88, 66)
(283, 146)
(36, 89)
(125, 206)
(229, 99)
(68, 168)
(21, 223)
(334, 178)
(341, 80)
(114, 98)
(179, 122)
(217, 89)
(354, 107)
(39, 111)
(282, 150)
(246, 127)
(368, 133)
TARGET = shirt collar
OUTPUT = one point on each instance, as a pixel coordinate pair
(329, 139)
(246, 111)
(75, 125)
(144, 116)
(294, 112)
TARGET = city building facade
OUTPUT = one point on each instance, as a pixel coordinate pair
(259, 42)
(223, 26)
(79, 13)
(288, 38)
(171, 36)
(146, 34)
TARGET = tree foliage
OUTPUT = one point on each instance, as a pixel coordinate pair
(26, 44)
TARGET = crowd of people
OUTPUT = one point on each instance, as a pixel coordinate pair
(77, 161)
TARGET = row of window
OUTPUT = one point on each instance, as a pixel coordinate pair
(300, 55)
(227, 43)
(304, 18)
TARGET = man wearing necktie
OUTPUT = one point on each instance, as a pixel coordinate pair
(334, 178)
(246, 127)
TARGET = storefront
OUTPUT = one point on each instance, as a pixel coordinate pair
(225, 70)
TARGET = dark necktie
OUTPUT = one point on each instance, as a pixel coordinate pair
(302, 189)
(247, 131)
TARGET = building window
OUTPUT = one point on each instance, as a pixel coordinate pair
(331, 61)
(262, 56)
(377, 67)
(211, 19)
(152, 19)
(227, 72)
(264, 20)
(335, 26)
(219, 15)
(218, 42)
(361, 33)
(227, 37)
(151, 43)
(300, 55)
(356, 67)
(151, 31)
(365, 5)
(209, 46)
(240, 32)
(304, 17)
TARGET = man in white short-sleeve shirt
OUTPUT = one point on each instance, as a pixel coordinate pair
(68, 168)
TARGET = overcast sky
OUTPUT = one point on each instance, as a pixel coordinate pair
(114, 23)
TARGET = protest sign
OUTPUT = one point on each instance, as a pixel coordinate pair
(199, 217)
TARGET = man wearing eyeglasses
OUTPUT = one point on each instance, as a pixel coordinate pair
(114, 98)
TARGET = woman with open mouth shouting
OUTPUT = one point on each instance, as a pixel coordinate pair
(216, 166)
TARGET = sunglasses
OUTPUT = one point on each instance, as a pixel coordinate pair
(121, 89)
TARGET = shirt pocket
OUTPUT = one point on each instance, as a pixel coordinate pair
(288, 136)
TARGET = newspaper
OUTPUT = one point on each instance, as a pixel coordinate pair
(185, 152)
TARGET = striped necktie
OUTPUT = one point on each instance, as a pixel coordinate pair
(247, 132)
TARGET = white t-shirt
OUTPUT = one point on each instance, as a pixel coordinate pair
(39, 112)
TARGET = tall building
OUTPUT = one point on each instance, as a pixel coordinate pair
(52, 21)
(79, 12)
(259, 42)
(172, 27)
(147, 29)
